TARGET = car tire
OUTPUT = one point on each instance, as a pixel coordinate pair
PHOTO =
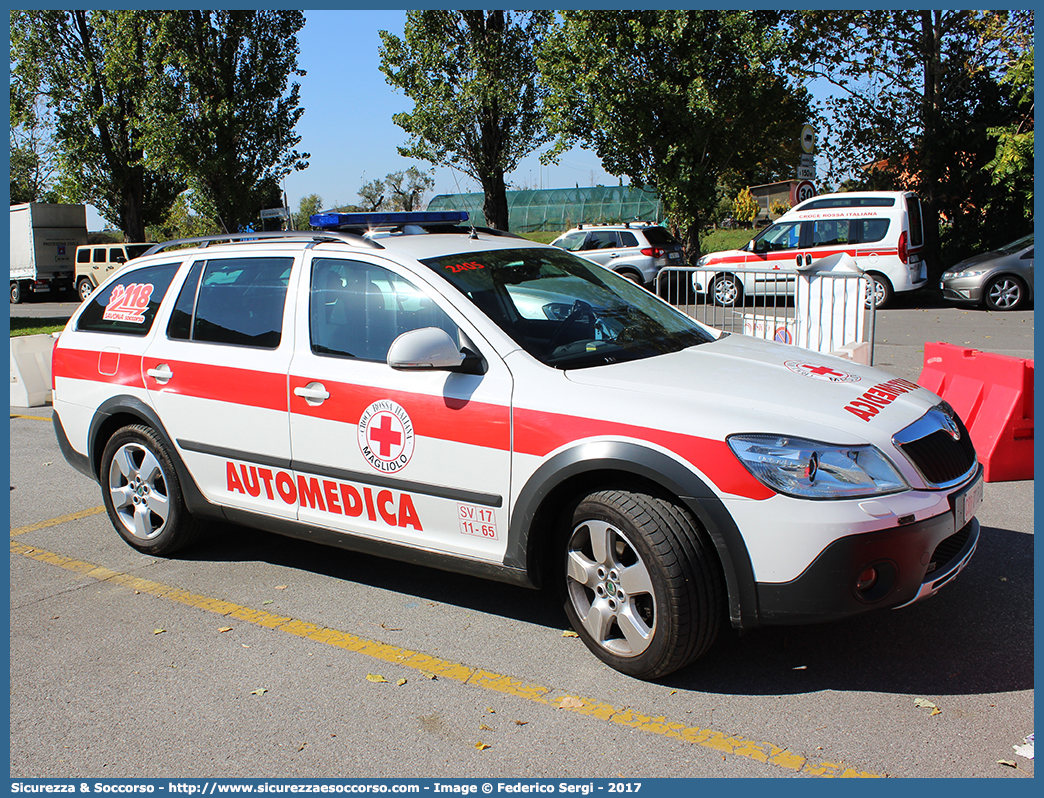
(1004, 293)
(142, 493)
(16, 293)
(880, 291)
(727, 290)
(643, 586)
(84, 289)
(634, 277)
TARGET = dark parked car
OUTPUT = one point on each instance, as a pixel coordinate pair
(1001, 279)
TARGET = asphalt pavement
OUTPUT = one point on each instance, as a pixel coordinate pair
(254, 655)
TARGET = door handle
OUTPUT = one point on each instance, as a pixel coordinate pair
(314, 393)
(160, 373)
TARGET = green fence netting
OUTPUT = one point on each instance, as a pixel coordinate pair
(555, 209)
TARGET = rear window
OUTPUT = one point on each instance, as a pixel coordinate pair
(659, 237)
(128, 305)
(913, 208)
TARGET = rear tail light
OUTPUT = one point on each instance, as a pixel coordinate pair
(653, 252)
(903, 254)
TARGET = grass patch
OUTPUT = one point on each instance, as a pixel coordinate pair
(720, 240)
(541, 238)
(44, 326)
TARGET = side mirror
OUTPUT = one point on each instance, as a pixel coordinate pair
(428, 348)
(759, 245)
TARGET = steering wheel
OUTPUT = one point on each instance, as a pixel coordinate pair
(580, 308)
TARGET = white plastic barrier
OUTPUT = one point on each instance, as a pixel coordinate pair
(31, 370)
(830, 308)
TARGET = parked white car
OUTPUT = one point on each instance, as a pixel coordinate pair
(881, 230)
(484, 404)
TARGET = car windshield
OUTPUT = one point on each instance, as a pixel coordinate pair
(1015, 246)
(568, 312)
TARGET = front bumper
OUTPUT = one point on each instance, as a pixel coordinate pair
(968, 290)
(912, 563)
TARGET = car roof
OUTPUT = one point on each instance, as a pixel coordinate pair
(416, 246)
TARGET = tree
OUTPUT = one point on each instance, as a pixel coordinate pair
(372, 196)
(92, 69)
(410, 196)
(745, 208)
(916, 94)
(33, 156)
(675, 100)
(227, 109)
(308, 206)
(472, 78)
(1012, 166)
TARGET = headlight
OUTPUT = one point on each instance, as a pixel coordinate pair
(968, 273)
(812, 470)
(702, 261)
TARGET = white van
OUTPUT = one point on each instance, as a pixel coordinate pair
(881, 230)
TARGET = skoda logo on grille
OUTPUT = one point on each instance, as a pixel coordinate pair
(951, 426)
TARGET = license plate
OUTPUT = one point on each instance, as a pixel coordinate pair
(966, 503)
(674, 255)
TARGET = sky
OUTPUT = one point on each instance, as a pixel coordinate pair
(347, 125)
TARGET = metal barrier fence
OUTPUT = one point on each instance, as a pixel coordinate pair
(819, 309)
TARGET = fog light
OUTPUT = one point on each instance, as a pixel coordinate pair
(866, 580)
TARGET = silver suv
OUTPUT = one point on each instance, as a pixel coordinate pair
(635, 250)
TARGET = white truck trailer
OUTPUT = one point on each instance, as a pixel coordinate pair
(44, 239)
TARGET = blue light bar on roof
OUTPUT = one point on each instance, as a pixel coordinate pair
(334, 221)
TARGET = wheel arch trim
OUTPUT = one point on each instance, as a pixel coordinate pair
(525, 546)
(195, 501)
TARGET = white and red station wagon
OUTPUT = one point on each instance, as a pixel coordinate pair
(408, 386)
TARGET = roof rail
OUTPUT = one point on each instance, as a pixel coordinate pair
(318, 236)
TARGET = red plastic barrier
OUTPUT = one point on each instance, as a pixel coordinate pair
(993, 394)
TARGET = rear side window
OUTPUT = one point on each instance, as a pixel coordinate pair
(83, 256)
(872, 230)
(237, 301)
(628, 239)
(831, 232)
(99, 255)
(854, 202)
(128, 305)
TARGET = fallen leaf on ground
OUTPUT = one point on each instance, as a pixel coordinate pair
(482, 746)
(373, 677)
(259, 691)
(569, 633)
(484, 727)
(521, 722)
(280, 587)
(400, 682)
(267, 601)
(225, 629)
(570, 702)
(158, 631)
(1011, 763)
(924, 702)
(429, 675)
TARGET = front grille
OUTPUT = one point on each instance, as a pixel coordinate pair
(948, 549)
(929, 444)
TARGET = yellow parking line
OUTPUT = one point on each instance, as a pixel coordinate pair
(759, 751)
(57, 521)
(32, 418)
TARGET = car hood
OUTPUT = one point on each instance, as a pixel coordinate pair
(986, 259)
(743, 384)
